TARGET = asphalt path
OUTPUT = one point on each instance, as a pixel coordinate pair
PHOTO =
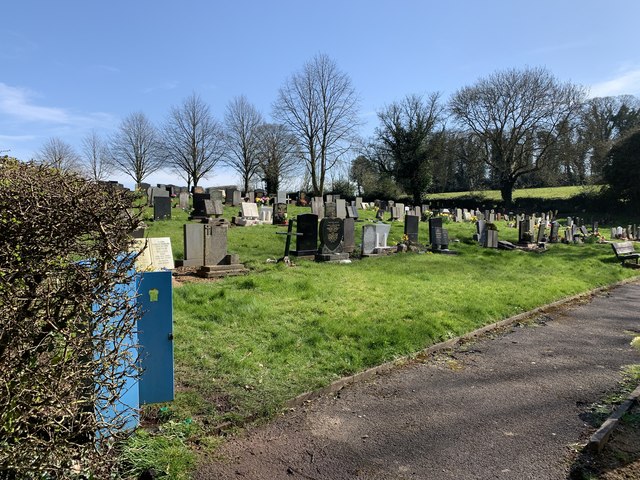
(508, 406)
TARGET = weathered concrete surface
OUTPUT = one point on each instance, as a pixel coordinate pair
(508, 407)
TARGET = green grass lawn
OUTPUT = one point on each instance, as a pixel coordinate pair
(494, 195)
(246, 345)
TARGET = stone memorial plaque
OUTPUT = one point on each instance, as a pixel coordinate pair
(249, 210)
(156, 256)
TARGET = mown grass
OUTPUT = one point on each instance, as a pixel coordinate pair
(246, 345)
(548, 193)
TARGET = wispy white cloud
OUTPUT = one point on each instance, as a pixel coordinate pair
(627, 82)
(17, 102)
(169, 85)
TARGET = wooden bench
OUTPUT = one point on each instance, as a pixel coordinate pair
(625, 251)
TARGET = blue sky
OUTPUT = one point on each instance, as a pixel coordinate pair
(67, 67)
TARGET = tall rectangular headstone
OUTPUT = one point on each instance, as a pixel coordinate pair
(341, 208)
(349, 235)
(281, 196)
(193, 235)
(183, 199)
(307, 243)
(279, 213)
(434, 222)
(215, 244)
(411, 227)
(162, 208)
(330, 210)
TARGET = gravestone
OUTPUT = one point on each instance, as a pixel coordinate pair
(317, 207)
(349, 235)
(307, 243)
(397, 211)
(374, 239)
(162, 208)
(193, 235)
(249, 213)
(216, 194)
(199, 210)
(330, 210)
(279, 214)
(281, 196)
(490, 239)
(541, 233)
(217, 262)
(156, 192)
(213, 208)
(411, 227)
(156, 254)
(341, 208)
(459, 217)
(352, 212)
(359, 205)
(440, 239)
(228, 196)
(380, 214)
(434, 222)
(481, 232)
(183, 200)
(251, 196)
(525, 230)
(555, 229)
(266, 214)
(331, 240)
(236, 198)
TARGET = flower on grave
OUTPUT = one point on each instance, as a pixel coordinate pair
(285, 216)
(405, 238)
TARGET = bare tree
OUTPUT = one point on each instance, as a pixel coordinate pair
(59, 154)
(134, 148)
(192, 140)
(516, 115)
(277, 153)
(96, 156)
(319, 105)
(242, 121)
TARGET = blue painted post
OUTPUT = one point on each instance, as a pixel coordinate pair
(155, 336)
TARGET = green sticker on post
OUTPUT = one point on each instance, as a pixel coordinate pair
(153, 295)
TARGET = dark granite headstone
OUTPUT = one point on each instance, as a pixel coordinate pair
(411, 226)
(434, 222)
(162, 208)
(307, 243)
(199, 210)
(331, 235)
(555, 229)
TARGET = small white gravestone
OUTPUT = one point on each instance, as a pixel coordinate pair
(156, 256)
(266, 214)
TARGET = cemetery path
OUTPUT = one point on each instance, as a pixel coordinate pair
(509, 406)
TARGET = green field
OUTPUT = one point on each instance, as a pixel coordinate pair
(549, 193)
(246, 345)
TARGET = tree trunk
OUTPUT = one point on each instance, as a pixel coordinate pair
(506, 190)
